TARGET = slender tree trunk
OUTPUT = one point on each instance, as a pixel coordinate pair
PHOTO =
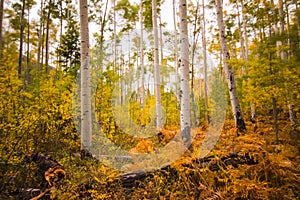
(115, 36)
(237, 113)
(175, 44)
(48, 36)
(156, 67)
(275, 118)
(221, 61)
(195, 42)
(27, 71)
(185, 119)
(102, 26)
(175, 35)
(142, 57)
(246, 51)
(284, 57)
(60, 32)
(103, 22)
(41, 36)
(280, 42)
(1, 26)
(85, 95)
(161, 51)
(161, 41)
(21, 40)
(298, 19)
(288, 30)
(205, 62)
(245, 31)
(241, 35)
(253, 113)
(293, 116)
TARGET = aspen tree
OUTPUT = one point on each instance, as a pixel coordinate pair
(237, 113)
(185, 119)
(85, 94)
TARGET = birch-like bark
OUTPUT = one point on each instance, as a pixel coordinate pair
(185, 119)
(245, 31)
(194, 46)
(115, 36)
(156, 67)
(85, 94)
(142, 56)
(204, 61)
(241, 35)
(175, 44)
(175, 36)
(161, 41)
(293, 116)
(237, 113)
(280, 43)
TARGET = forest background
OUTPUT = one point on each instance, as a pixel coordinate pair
(39, 80)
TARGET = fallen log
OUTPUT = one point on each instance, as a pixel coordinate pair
(214, 163)
(52, 170)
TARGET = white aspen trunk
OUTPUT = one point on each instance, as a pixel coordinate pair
(237, 113)
(205, 62)
(175, 43)
(185, 119)
(161, 41)
(195, 37)
(85, 94)
(161, 51)
(115, 37)
(253, 113)
(142, 56)
(293, 116)
(241, 35)
(283, 56)
(245, 32)
(281, 31)
(156, 67)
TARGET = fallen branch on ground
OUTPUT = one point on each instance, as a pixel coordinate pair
(214, 163)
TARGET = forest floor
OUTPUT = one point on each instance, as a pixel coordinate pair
(273, 174)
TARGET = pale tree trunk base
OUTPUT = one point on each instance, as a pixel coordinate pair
(240, 123)
(293, 116)
(186, 136)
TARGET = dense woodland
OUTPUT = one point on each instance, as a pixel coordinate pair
(62, 79)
